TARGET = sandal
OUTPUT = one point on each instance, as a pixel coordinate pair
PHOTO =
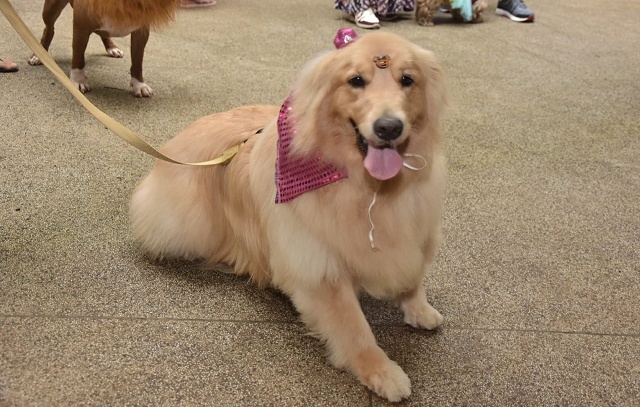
(196, 3)
(7, 65)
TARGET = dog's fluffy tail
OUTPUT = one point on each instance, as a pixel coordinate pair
(168, 222)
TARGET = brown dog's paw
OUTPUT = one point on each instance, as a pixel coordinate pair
(34, 60)
(424, 16)
(425, 22)
(115, 52)
(141, 89)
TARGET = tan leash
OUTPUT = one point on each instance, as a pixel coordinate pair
(120, 130)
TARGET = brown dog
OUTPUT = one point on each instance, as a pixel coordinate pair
(427, 9)
(355, 148)
(108, 18)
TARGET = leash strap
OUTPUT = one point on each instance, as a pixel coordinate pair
(120, 130)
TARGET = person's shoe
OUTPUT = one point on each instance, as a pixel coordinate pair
(388, 17)
(515, 10)
(367, 19)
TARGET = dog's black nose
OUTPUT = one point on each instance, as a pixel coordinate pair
(388, 128)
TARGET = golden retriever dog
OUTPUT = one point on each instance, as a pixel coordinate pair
(427, 9)
(108, 18)
(335, 193)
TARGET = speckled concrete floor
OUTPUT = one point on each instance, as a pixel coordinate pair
(538, 278)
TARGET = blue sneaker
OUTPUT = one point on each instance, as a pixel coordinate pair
(515, 10)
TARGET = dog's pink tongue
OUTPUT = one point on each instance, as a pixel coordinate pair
(383, 163)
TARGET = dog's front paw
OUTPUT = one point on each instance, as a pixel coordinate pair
(141, 89)
(422, 316)
(389, 381)
(115, 52)
(382, 375)
(79, 79)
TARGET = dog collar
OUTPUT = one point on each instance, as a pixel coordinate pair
(296, 175)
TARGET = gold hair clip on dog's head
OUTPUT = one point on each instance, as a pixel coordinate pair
(382, 61)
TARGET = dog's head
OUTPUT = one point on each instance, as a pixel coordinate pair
(366, 104)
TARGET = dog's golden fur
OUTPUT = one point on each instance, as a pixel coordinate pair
(427, 9)
(316, 248)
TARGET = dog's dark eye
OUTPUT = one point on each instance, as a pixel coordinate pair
(357, 82)
(406, 81)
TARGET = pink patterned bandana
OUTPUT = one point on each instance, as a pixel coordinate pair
(296, 175)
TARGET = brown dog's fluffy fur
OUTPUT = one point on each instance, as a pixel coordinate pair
(316, 248)
(427, 9)
(134, 13)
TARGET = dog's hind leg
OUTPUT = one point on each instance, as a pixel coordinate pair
(417, 311)
(79, 46)
(111, 48)
(139, 40)
(50, 13)
(332, 311)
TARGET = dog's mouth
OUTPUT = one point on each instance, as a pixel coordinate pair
(382, 161)
(361, 142)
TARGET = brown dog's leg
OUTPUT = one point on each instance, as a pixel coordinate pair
(79, 45)
(111, 48)
(139, 40)
(332, 311)
(426, 10)
(50, 13)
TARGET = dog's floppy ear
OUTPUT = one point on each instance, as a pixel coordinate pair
(311, 86)
(310, 99)
(435, 88)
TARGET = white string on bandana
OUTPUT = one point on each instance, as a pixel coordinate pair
(375, 196)
(411, 167)
(373, 202)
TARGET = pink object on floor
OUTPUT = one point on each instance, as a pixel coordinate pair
(344, 37)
